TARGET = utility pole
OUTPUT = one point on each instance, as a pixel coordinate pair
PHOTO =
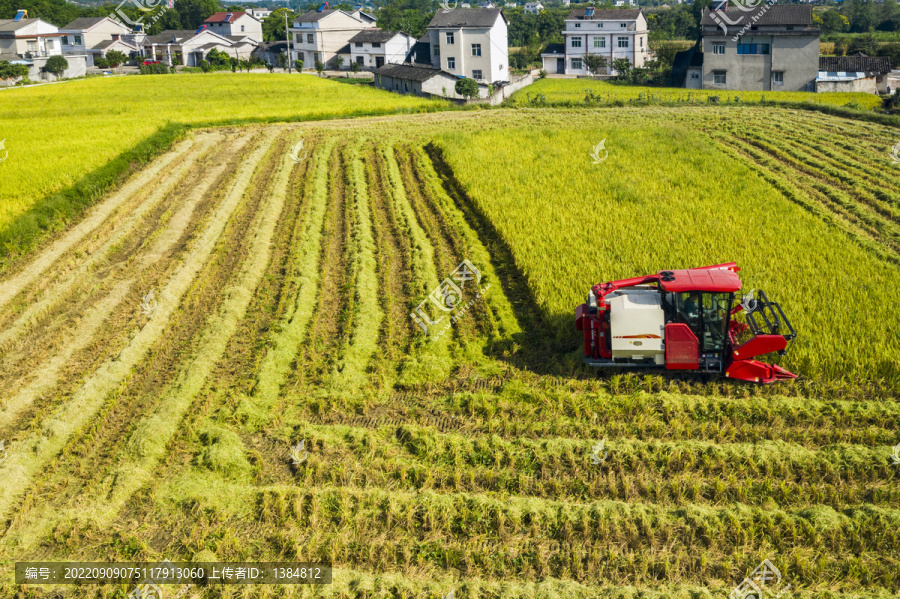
(287, 37)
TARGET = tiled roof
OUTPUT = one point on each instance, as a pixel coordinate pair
(854, 64)
(409, 72)
(373, 35)
(764, 14)
(466, 17)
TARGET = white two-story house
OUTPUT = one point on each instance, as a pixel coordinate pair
(31, 42)
(320, 35)
(237, 24)
(95, 36)
(470, 42)
(375, 48)
(612, 34)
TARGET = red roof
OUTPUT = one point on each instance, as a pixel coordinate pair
(698, 279)
(223, 17)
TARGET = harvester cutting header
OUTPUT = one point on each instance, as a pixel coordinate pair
(684, 320)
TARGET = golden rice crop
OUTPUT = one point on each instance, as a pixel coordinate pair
(663, 195)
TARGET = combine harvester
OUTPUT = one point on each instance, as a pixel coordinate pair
(684, 320)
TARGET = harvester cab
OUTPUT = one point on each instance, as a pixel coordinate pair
(685, 320)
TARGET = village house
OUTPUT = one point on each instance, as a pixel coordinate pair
(613, 34)
(321, 35)
(31, 42)
(235, 24)
(420, 80)
(854, 73)
(764, 48)
(533, 8)
(94, 37)
(470, 42)
(259, 13)
(190, 47)
(375, 48)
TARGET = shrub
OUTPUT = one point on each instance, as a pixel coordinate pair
(298, 64)
(101, 63)
(56, 65)
(154, 69)
(542, 74)
(467, 88)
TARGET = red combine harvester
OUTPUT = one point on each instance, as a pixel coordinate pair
(684, 320)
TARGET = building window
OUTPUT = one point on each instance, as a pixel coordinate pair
(695, 75)
(309, 38)
(437, 50)
(451, 62)
(576, 42)
(315, 57)
(77, 40)
(242, 28)
(778, 77)
(642, 41)
(406, 86)
(361, 60)
(449, 37)
(476, 49)
(476, 74)
(577, 24)
(357, 44)
(576, 64)
(599, 42)
(718, 48)
(753, 48)
(376, 44)
(622, 25)
(623, 42)
(32, 46)
(65, 40)
(719, 77)
(49, 44)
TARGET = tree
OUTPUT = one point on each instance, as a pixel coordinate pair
(115, 58)
(622, 67)
(194, 12)
(273, 25)
(56, 65)
(283, 60)
(411, 16)
(354, 66)
(101, 63)
(320, 66)
(298, 64)
(866, 43)
(890, 16)
(834, 22)
(594, 63)
(338, 62)
(467, 88)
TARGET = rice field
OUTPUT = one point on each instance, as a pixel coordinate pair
(161, 357)
(588, 92)
(96, 120)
